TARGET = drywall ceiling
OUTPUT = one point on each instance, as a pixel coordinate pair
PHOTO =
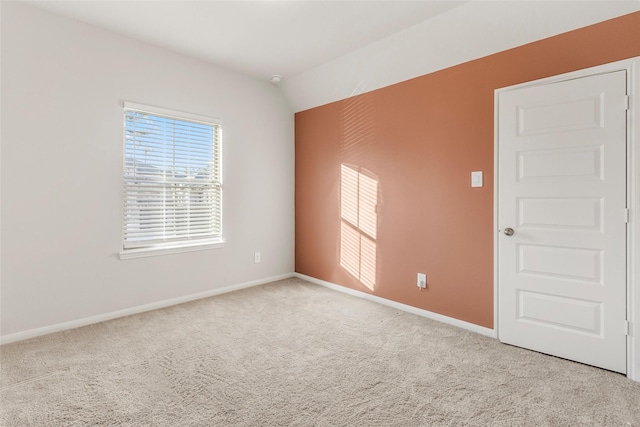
(470, 31)
(330, 50)
(259, 38)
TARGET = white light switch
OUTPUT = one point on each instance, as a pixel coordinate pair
(476, 179)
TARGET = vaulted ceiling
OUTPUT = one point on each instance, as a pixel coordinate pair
(262, 38)
(307, 42)
(259, 38)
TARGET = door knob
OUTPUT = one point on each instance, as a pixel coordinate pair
(509, 231)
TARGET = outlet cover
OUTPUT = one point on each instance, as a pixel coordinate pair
(422, 281)
(256, 257)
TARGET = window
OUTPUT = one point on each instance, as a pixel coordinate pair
(172, 181)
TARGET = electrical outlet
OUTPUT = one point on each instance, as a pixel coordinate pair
(422, 281)
(256, 257)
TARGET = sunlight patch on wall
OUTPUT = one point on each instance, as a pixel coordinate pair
(358, 123)
(359, 222)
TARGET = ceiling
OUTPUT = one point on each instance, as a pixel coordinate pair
(310, 42)
(258, 38)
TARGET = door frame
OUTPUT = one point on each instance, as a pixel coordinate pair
(632, 66)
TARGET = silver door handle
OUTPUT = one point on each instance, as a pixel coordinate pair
(509, 231)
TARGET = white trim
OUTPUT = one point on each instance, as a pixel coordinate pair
(633, 228)
(496, 231)
(171, 113)
(404, 307)
(174, 249)
(32, 333)
(632, 66)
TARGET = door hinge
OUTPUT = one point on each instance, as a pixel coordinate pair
(627, 215)
(627, 102)
(627, 328)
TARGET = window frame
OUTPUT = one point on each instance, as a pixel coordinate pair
(182, 245)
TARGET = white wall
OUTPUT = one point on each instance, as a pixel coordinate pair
(63, 84)
(474, 30)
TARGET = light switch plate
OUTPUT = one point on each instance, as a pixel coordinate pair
(476, 179)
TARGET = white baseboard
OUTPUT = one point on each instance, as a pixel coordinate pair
(32, 333)
(404, 307)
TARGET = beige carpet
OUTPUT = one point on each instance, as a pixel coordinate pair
(295, 354)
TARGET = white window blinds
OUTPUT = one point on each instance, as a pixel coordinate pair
(172, 178)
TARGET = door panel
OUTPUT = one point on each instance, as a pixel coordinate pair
(562, 189)
(561, 213)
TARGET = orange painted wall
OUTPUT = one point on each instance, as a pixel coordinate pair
(420, 140)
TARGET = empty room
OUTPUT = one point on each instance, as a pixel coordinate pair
(319, 213)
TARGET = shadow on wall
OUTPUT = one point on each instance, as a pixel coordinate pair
(358, 191)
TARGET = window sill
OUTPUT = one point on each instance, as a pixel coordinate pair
(173, 249)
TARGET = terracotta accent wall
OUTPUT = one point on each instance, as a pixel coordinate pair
(383, 180)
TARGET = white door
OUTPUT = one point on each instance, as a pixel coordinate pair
(562, 191)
